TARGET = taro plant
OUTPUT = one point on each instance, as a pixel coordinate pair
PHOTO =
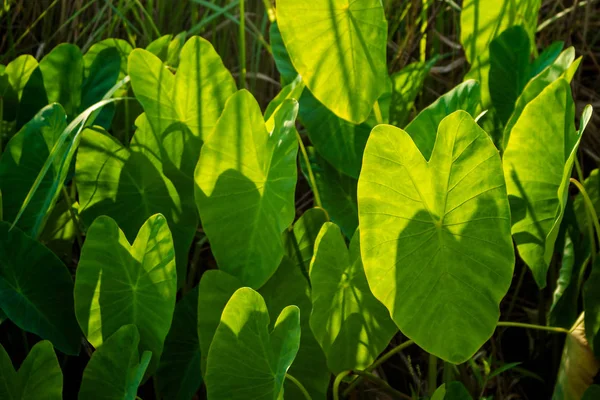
(121, 167)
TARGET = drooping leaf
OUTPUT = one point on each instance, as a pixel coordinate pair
(182, 109)
(281, 56)
(349, 323)
(39, 376)
(406, 85)
(35, 290)
(337, 192)
(578, 366)
(21, 163)
(537, 164)
(246, 359)
(115, 370)
(339, 49)
(119, 284)
(125, 185)
(178, 374)
(300, 242)
(424, 127)
(340, 142)
(245, 180)
(435, 235)
(481, 21)
(289, 286)
(215, 289)
(509, 69)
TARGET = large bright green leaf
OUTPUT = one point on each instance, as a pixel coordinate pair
(481, 21)
(21, 163)
(115, 370)
(178, 374)
(128, 187)
(182, 109)
(119, 284)
(36, 290)
(215, 289)
(537, 164)
(350, 324)
(39, 376)
(339, 48)
(245, 179)
(423, 128)
(435, 235)
(245, 359)
(300, 241)
(289, 286)
(509, 68)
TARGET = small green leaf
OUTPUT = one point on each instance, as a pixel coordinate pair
(125, 185)
(349, 323)
(178, 374)
(215, 289)
(435, 235)
(300, 242)
(456, 391)
(36, 290)
(119, 284)
(245, 358)
(289, 286)
(115, 370)
(537, 164)
(349, 37)
(39, 377)
(547, 58)
(245, 179)
(424, 127)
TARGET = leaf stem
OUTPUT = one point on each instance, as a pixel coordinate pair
(377, 112)
(242, 45)
(311, 176)
(78, 230)
(432, 374)
(299, 385)
(337, 382)
(589, 205)
(532, 326)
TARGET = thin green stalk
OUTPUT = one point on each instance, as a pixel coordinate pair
(242, 49)
(554, 329)
(516, 293)
(270, 10)
(337, 382)
(578, 170)
(589, 205)
(299, 385)
(559, 15)
(194, 265)
(378, 362)
(432, 374)
(311, 176)
(377, 112)
(30, 27)
(150, 20)
(78, 230)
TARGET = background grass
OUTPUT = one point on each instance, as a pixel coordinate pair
(418, 30)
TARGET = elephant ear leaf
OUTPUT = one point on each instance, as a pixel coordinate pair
(39, 376)
(538, 161)
(119, 284)
(245, 360)
(245, 179)
(115, 370)
(435, 234)
(349, 37)
(36, 290)
(350, 324)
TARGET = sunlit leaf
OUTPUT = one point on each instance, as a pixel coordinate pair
(435, 234)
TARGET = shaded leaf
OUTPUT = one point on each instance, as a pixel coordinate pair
(299, 243)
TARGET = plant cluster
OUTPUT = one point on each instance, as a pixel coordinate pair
(416, 226)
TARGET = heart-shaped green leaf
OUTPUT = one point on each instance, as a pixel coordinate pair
(435, 235)
(115, 370)
(39, 377)
(35, 290)
(350, 324)
(128, 187)
(178, 374)
(245, 179)
(245, 360)
(289, 286)
(215, 289)
(119, 284)
(347, 36)
(537, 164)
